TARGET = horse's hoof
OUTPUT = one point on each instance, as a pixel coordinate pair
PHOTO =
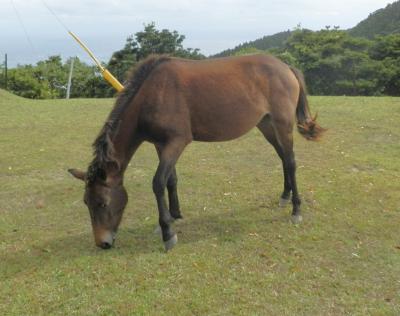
(176, 215)
(283, 202)
(169, 244)
(157, 230)
(296, 219)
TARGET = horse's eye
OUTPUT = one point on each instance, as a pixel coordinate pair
(102, 205)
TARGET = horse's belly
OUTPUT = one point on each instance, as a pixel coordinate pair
(225, 126)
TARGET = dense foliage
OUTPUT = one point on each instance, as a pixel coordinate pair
(48, 79)
(336, 63)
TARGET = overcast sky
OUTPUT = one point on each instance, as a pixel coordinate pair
(211, 25)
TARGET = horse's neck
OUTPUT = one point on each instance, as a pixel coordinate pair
(126, 140)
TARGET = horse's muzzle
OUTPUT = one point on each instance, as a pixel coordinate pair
(106, 240)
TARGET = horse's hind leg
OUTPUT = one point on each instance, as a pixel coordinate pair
(174, 207)
(266, 128)
(173, 200)
(284, 135)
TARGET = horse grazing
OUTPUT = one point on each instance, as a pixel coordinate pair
(171, 102)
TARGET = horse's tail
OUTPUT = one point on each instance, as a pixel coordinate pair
(306, 124)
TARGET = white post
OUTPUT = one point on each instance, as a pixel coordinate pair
(70, 78)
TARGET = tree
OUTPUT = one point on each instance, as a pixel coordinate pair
(334, 63)
(152, 41)
(23, 82)
(247, 51)
(2, 76)
(52, 73)
(147, 42)
(386, 50)
(122, 60)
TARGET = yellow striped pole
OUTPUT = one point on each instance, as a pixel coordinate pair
(106, 74)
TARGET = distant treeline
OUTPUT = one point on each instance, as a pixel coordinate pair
(337, 63)
(333, 61)
(384, 21)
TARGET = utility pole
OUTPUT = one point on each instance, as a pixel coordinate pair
(5, 72)
(70, 78)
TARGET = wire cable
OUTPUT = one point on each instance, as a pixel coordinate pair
(55, 15)
(24, 28)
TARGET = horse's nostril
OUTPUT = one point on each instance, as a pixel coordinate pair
(105, 245)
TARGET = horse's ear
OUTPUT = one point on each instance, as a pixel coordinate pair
(81, 175)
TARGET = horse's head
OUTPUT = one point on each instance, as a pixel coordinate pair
(106, 199)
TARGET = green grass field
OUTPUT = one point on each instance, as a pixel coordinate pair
(238, 253)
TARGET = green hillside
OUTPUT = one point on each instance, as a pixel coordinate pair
(267, 42)
(7, 96)
(382, 22)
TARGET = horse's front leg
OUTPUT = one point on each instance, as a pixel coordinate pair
(173, 201)
(169, 154)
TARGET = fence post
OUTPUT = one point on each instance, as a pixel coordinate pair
(5, 72)
(70, 78)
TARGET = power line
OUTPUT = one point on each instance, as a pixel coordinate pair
(55, 15)
(24, 28)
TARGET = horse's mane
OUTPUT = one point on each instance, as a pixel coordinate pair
(102, 146)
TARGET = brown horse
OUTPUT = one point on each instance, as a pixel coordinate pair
(171, 102)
